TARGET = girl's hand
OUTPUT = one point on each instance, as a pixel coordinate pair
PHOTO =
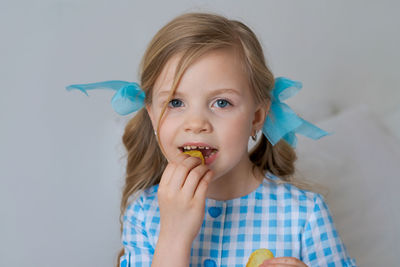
(181, 197)
(283, 262)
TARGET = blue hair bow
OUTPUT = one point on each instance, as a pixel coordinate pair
(281, 122)
(128, 98)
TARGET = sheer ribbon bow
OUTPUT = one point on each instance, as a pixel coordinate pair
(281, 121)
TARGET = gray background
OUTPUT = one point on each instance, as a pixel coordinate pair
(61, 165)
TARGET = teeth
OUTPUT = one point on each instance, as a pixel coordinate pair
(212, 153)
(195, 147)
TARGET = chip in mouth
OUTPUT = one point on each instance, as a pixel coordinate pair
(205, 151)
(195, 153)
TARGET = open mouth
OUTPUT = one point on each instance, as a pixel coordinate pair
(205, 150)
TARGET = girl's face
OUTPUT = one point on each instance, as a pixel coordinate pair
(212, 106)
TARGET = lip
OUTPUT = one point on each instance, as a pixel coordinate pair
(207, 161)
(211, 159)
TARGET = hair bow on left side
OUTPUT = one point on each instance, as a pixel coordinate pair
(282, 121)
(128, 98)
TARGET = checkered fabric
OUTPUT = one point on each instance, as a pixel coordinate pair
(280, 217)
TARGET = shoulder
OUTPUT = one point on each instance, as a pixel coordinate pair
(141, 220)
(289, 194)
(143, 203)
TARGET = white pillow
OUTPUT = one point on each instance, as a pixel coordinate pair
(360, 165)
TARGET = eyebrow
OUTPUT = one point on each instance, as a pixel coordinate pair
(213, 93)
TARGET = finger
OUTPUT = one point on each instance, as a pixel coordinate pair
(287, 261)
(193, 179)
(180, 157)
(279, 265)
(181, 172)
(201, 190)
(170, 169)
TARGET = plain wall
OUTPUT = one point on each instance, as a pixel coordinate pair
(61, 157)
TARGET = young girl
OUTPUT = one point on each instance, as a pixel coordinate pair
(205, 86)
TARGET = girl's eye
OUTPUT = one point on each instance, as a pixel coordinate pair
(222, 103)
(175, 103)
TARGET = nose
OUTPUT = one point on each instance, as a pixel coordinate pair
(197, 123)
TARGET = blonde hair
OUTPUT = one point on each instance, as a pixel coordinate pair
(191, 35)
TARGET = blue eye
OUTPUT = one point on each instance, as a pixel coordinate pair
(223, 103)
(175, 103)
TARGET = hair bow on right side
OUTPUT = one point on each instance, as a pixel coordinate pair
(282, 121)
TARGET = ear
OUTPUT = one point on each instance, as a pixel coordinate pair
(260, 115)
(151, 115)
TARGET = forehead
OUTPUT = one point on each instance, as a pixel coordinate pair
(217, 69)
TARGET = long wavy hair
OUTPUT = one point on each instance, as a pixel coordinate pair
(191, 35)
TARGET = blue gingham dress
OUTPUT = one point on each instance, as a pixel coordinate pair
(280, 217)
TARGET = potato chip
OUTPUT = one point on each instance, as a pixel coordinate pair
(195, 153)
(258, 257)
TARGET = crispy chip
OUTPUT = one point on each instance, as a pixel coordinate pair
(258, 257)
(195, 153)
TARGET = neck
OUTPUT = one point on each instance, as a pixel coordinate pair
(238, 182)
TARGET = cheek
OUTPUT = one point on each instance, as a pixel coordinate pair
(237, 133)
(242, 124)
(168, 132)
(237, 141)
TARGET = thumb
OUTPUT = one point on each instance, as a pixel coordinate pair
(201, 190)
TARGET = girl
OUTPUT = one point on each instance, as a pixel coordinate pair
(205, 86)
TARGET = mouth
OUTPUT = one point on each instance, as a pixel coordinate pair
(206, 150)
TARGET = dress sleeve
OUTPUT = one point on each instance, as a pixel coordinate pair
(138, 250)
(321, 244)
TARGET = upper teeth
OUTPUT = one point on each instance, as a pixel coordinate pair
(195, 147)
